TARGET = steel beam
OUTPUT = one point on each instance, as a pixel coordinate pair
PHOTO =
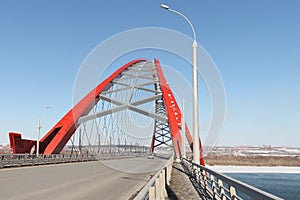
(146, 89)
(146, 100)
(101, 114)
(110, 100)
(147, 113)
(116, 90)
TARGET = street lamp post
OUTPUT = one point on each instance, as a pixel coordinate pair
(196, 152)
(39, 132)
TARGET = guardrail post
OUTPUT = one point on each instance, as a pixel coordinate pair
(157, 189)
(213, 184)
(44, 160)
(151, 193)
(203, 177)
(163, 184)
(232, 192)
(169, 172)
(165, 171)
(222, 191)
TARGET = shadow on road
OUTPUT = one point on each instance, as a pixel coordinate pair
(137, 179)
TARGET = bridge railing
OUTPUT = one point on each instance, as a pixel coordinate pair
(18, 160)
(120, 155)
(156, 186)
(213, 185)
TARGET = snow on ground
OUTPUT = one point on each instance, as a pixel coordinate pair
(254, 169)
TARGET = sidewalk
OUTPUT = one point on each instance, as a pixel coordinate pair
(180, 187)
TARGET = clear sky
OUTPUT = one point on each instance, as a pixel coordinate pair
(255, 45)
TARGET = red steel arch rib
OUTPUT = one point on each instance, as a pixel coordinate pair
(174, 116)
(55, 140)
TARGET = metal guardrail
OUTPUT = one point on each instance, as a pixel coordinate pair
(155, 189)
(122, 155)
(213, 185)
(18, 160)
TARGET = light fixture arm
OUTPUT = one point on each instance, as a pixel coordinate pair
(188, 21)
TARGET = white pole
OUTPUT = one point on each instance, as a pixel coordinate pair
(38, 138)
(196, 152)
(183, 135)
(39, 132)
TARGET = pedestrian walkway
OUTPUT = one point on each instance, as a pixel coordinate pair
(181, 187)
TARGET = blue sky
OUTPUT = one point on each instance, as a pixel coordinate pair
(255, 44)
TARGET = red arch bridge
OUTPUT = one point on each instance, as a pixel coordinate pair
(106, 115)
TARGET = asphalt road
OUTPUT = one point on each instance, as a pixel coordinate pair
(114, 179)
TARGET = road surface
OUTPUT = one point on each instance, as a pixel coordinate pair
(113, 179)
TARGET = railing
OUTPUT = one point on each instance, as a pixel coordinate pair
(155, 189)
(213, 185)
(122, 155)
(18, 160)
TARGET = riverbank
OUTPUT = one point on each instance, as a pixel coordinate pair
(271, 161)
(255, 169)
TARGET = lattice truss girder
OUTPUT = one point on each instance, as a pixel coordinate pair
(135, 91)
(162, 132)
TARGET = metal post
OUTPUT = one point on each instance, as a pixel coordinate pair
(196, 152)
(38, 138)
(39, 132)
(125, 146)
(80, 141)
(109, 144)
(99, 144)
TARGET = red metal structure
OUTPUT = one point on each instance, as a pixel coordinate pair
(174, 116)
(167, 116)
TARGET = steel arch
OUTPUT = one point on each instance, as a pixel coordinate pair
(167, 112)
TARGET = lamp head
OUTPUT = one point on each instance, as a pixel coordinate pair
(164, 6)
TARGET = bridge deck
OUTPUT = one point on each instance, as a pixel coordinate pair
(88, 180)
